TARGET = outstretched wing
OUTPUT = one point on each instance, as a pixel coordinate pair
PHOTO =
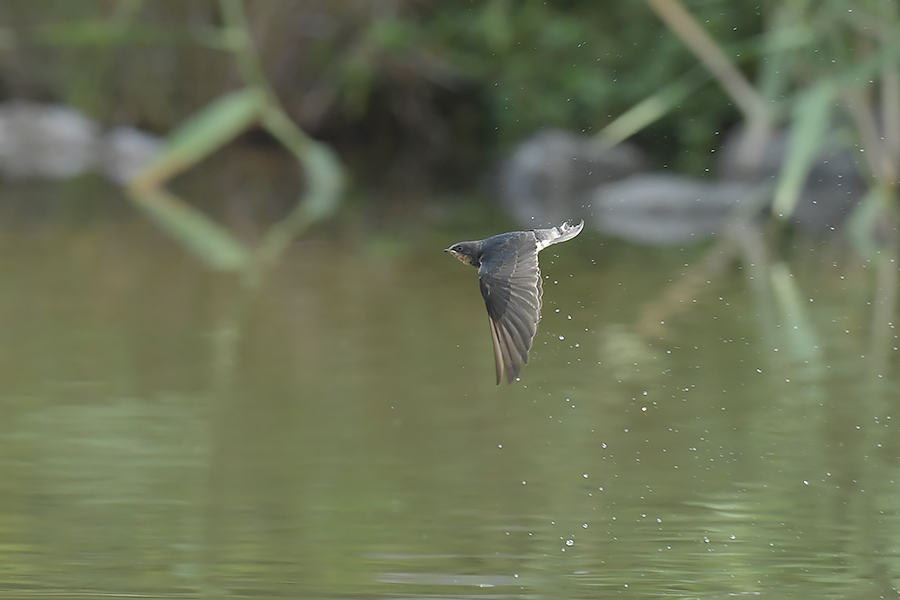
(511, 285)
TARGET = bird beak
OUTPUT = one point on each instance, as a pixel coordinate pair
(447, 250)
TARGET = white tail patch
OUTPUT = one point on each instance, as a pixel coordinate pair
(554, 235)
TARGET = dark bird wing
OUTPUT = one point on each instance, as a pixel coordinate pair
(511, 285)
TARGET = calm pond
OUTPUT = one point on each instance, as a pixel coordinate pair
(682, 430)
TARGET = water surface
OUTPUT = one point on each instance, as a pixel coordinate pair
(680, 432)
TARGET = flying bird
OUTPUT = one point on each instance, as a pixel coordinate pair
(510, 281)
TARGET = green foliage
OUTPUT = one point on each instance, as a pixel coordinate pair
(206, 132)
(578, 65)
(866, 219)
(812, 116)
(828, 71)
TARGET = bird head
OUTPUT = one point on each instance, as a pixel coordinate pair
(466, 252)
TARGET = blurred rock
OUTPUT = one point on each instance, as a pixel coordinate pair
(49, 141)
(557, 175)
(125, 151)
(45, 141)
(834, 186)
(660, 209)
(545, 180)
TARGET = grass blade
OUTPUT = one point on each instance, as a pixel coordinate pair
(812, 116)
(207, 131)
(208, 240)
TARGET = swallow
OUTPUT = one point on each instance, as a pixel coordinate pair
(510, 281)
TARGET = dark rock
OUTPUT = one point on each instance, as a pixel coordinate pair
(545, 180)
(832, 189)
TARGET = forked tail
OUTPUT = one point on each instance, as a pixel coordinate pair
(555, 235)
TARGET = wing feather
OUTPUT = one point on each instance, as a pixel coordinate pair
(498, 353)
(511, 286)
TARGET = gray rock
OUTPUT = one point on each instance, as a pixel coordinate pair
(662, 209)
(126, 151)
(832, 189)
(836, 166)
(546, 178)
(46, 141)
(50, 141)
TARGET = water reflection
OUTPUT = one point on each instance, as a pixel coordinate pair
(362, 449)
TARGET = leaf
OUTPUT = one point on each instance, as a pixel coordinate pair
(208, 240)
(326, 182)
(111, 34)
(865, 219)
(653, 107)
(204, 133)
(812, 116)
(800, 334)
(325, 175)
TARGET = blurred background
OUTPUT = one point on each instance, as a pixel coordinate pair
(234, 361)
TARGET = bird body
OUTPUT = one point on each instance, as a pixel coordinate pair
(510, 281)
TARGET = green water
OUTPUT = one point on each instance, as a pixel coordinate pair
(678, 433)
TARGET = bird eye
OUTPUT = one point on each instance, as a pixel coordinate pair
(457, 248)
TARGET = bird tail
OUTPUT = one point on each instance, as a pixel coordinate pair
(555, 235)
